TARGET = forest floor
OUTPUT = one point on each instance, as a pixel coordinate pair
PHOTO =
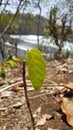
(45, 103)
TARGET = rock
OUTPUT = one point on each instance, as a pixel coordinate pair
(34, 115)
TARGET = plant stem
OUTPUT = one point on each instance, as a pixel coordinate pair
(27, 100)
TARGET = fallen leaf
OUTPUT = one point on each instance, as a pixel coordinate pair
(30, 88)
(51, 129)
(38, 111)
(67, 108)
(41, 122)
(17, 105)
(16, 88)
(43, 119)
(69, 85)
(58, 98)
(37, 129)
(47, 116)
(6, 94)
(61, 89)
(3, 109)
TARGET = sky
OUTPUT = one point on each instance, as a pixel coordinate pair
(14, 3)
(45, 6)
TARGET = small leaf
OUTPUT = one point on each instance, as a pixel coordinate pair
(36, 68)
(43, 119)
(2, 72)
(16, 59)
(69, 85)
(10, 63)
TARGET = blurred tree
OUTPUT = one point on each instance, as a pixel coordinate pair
(59, 32)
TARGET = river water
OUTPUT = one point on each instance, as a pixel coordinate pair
(28, 42)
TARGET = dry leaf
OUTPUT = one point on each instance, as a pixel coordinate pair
(38, 111)
(41, 122)
(58, 98)
(30, 88)
(67, 108)
(51, 129)
(47, 116)
(6, 94)
(16, 88)
(17, 105)
(37, 129)
(69, 85)
(43, 119)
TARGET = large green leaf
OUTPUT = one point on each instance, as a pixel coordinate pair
(36, 68)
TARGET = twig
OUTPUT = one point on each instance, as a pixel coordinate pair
(61, 85)
(9, 86)
(4, 7)
(27, 100)
(40, 95)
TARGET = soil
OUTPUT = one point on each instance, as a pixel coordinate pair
(14, 114)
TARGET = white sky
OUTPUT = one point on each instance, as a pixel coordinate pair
(45, 7)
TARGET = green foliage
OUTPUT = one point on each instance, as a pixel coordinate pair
(46, 33)
(65, 54)
(4, 21)
(36, 67)
(2, 72)
(16, 59)
(23, 24)
(10, 63)
(54, 13)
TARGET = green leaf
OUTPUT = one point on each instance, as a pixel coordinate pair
(2, 72)
(10, 63)
(36, 68)
(16, 59)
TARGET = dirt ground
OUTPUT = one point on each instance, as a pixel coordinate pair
(14, 114)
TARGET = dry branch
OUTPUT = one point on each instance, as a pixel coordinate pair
(4, 7)
(9, 86)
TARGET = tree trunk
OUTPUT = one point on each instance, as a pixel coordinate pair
(2, 50)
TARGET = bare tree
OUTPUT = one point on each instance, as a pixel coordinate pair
(19, 7)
